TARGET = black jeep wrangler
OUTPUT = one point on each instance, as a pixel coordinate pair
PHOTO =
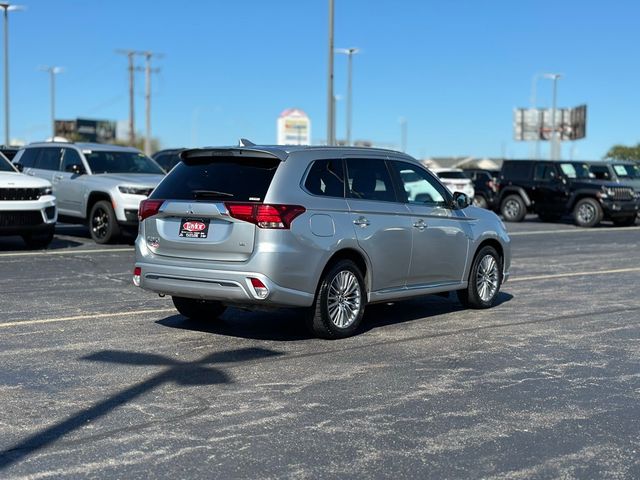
(554, 188)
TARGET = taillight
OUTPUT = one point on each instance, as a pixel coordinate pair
(261, 290)
(265, 215)
(148, 208)
(137, 271)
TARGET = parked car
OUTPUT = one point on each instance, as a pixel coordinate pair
(485, 186)
(627, 173)
(101, 185)
(554, 188)
(325, 228)
(27, 206)
(456, 181)
(8, 152)
(167, 158)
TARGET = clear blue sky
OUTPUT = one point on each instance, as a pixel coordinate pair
(454, 68)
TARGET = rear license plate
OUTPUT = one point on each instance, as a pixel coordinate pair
(194, 227)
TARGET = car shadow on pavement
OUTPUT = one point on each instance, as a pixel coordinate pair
(288, 325)
(16, 244)
(198, 372)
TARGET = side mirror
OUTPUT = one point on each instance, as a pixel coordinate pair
(19, 166)
(461, 200)
(75, 168)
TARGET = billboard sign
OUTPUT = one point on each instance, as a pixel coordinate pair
(294, 127)
(86, 130)
(532, 124)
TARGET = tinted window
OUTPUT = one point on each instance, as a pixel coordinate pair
(575, 170)
(516, 170)
(419, 187)
(71, 157)
(326, 178)
(168, 160)
(600, 172)
(49, 158)
(451, 175)
(105, 161)
(369, 179)
(28, 157)
(5, 165)
(627, 171)
(227, 178)
(544, 172)
(10, 153)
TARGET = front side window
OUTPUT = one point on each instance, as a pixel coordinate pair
(600, 173)
(420, 187)
(627, 171)
(369, 179)
(105, 161)
(49, 158)
(544, 172)
(576, 170)
(71, 157)
(326, 178)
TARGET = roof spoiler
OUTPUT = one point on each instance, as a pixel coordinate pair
(195, 155)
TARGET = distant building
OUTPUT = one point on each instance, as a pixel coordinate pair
(86, 130)
(294, 127)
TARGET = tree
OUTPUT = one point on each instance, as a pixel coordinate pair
(622, 152)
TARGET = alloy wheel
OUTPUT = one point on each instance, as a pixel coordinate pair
(100, 223)
(586, 213)
(511, 209)
(344, 299)
(487, 278)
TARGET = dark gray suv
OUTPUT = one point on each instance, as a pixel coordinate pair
(324, 228)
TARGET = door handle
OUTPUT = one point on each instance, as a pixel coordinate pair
(362, 222)
(420, 225)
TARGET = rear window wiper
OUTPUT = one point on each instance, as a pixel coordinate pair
(210, 194)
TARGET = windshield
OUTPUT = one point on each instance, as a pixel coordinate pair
(5, 166)
(627, 171)
(576, 170)
(105, 161)
(452, 175)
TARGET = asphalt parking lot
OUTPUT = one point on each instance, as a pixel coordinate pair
(102, 380)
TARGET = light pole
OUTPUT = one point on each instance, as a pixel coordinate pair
(534, 107)
(349, 52)
(53, 71)
(555, 142)
(7, 8)
(331, 130)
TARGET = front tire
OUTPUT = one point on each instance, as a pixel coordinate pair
(339, 304)
(103, 225)
(587, 213)
(485, 280)
(513, 208)
(199, 310)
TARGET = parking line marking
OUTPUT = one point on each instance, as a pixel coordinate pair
(574, 274)
(574, 230)
(66, 252)
(85, 317)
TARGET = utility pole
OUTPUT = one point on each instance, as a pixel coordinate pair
(7, 7)
(555, 140)
(349, 52)
(131, 56)
(53, 71)
(331, 131)
(147, 71)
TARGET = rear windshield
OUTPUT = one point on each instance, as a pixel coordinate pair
(452, 175)
(104, 161)
(245, 180)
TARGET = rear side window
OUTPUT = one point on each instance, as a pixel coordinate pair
(49, 159)
(516, 170)
(326, 178)
(28, 157)
(227, 178)
(369, 179)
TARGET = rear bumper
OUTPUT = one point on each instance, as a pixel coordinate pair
(225, 286)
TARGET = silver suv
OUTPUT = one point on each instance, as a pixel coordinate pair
(27, 207)
(329, 229)
(101, 185)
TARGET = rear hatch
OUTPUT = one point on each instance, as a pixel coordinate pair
(191, 213)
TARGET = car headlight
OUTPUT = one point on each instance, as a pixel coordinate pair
(145, 191)
(45, 191)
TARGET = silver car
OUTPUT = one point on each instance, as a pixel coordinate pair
(325, 228)
(101, 185)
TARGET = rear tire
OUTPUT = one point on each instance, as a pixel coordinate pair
(513, 208)
(625, 221)
(587, 213)
(339, 304)
(485, 279)
(200, 310)
(38, 240)
(103, 225)
(480, 201)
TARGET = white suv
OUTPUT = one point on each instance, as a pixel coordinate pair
(27, 207)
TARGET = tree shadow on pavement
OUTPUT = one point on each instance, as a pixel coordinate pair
(198, 372)
(288, 325)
